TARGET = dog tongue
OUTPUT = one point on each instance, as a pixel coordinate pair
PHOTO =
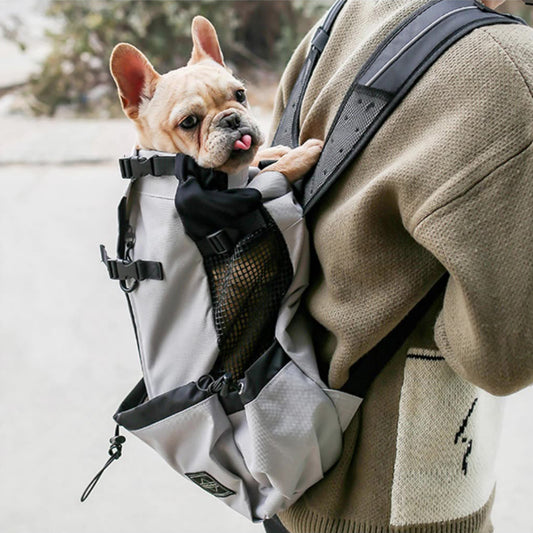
(243, 143)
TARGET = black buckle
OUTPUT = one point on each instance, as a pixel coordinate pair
(134, 167)
(119, 269)
(131, 271)
(220, 242)
(122, 270)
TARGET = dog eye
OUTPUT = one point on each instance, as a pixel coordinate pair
(189, 122)
(240, 96)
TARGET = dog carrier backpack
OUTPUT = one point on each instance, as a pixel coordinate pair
(213, 268)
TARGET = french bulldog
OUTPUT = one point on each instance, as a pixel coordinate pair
(200, 110)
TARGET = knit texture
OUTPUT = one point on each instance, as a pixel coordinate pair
(445, 184)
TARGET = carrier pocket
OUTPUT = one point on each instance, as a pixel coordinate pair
(190, 430)
(289, 433)
(247, 286)
(258, 448)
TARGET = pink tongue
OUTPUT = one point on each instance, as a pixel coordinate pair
(244, 143)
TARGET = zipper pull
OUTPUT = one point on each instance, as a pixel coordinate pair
(115, 451)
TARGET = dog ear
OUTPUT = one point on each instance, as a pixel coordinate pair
(134, 75)
(205, 42)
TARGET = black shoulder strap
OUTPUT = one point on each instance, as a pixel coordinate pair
(365, 370)
(289, 128)
(395, 66)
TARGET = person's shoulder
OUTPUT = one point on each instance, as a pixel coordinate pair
(509, 47)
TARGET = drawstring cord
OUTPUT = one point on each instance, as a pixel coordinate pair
(207, 383)
(115, 451)
(224, 384)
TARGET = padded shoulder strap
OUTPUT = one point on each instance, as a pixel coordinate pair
(395, 66)
(289, 128)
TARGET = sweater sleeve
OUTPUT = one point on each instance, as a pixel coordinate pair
(484, 239)
(482, 235)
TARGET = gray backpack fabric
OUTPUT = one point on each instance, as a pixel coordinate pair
(214, 267)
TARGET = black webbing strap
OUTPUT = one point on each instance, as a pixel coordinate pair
(288, 130)
(224, 240)
(135, 270)
(365, 370)
(135, 167)
(397, 64)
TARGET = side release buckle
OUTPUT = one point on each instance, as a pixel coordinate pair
(126, 270)
(134, 167)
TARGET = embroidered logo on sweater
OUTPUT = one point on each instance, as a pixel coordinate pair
(461, 437)
(210, 484)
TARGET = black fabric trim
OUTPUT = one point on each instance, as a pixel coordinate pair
(426, 357)
(412, 26)
(205, 211)
(225, 239)
(366, 369)
(232, 403)
(274, 525)
(135, 412)
(262, 371)
(134, 324)
(185, 167)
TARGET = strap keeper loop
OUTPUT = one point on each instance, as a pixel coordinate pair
(320, 39)
(220, 242)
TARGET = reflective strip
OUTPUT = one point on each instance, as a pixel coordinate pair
(413, 41)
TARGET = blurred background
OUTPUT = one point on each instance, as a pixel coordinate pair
(68, 352)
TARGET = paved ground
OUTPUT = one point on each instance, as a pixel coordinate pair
(69, 356)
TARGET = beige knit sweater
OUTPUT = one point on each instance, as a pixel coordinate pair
(446, 183)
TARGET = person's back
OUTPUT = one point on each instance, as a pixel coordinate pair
(445, 185)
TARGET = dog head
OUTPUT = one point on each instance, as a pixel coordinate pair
(199, 110)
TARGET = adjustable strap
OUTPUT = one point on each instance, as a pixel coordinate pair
(397, 64)
(135, 167)
(366, 369)
(288, 131)
(224, 241)
(137, 270)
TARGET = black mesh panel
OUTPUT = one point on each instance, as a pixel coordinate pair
(247, 286)
(353, 119)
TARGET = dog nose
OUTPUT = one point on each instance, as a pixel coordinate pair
(232, 121)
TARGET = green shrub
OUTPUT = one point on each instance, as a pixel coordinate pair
(255, 36)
